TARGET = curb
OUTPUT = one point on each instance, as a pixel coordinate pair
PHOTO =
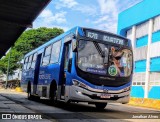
(145, 102)
(18, 89)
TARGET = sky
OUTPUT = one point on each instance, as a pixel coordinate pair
(98, 14)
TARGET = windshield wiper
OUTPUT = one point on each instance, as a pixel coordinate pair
(101, 53)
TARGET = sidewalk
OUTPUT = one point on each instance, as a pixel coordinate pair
(8, 106)
(145, 102)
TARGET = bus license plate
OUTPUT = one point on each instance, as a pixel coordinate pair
(105, 96)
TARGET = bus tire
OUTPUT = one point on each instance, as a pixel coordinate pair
(100, 105)
(53, 93)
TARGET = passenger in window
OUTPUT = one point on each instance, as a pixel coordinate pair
(116, 60)
(118, 66)
(116, 53)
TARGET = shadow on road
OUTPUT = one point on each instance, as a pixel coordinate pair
(74, 107)
(67, 110)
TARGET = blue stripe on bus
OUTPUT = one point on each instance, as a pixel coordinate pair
(103, 87)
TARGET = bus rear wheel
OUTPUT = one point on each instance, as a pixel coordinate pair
(100, 105)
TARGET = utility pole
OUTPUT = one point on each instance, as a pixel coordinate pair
(8, 68)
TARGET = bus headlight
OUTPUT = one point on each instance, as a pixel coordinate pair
(82, 85)
(78, 83)
(75, 82)
(126, 89)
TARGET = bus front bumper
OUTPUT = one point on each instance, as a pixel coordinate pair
(84, 95)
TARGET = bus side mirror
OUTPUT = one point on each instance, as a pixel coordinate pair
(74, 45)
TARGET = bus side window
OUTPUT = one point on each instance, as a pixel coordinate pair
(25, 63)
(29, 62)
(47, 55)
(55, 52)
(67, 56)
(34, 61)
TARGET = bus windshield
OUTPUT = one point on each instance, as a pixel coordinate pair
(102, 59)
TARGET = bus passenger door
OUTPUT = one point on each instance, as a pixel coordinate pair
(67, 67)
(36, 73)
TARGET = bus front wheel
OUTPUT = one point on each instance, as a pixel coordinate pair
(100, 105)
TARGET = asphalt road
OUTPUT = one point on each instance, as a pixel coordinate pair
(16, 102)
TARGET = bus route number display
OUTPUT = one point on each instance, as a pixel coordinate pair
(104, 37)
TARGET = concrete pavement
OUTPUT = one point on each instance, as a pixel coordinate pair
(9, 106)
(17, 102)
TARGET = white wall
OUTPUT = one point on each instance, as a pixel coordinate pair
(16, 75)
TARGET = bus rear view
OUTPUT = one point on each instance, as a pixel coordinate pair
(81, 65)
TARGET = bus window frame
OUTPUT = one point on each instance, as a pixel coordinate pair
(25, 63)
(60, 41)
(29, 61)
(70, 55)
(44, 52)
(34, 60)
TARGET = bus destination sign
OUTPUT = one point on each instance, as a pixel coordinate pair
(104, 37)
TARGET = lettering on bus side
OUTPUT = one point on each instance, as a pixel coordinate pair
(43, 76)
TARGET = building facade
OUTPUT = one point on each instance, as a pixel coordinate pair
(141, 24)
(16, 75)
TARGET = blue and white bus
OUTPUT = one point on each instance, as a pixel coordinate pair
(80, 65)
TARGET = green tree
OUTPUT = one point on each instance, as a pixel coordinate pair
(28, 41)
